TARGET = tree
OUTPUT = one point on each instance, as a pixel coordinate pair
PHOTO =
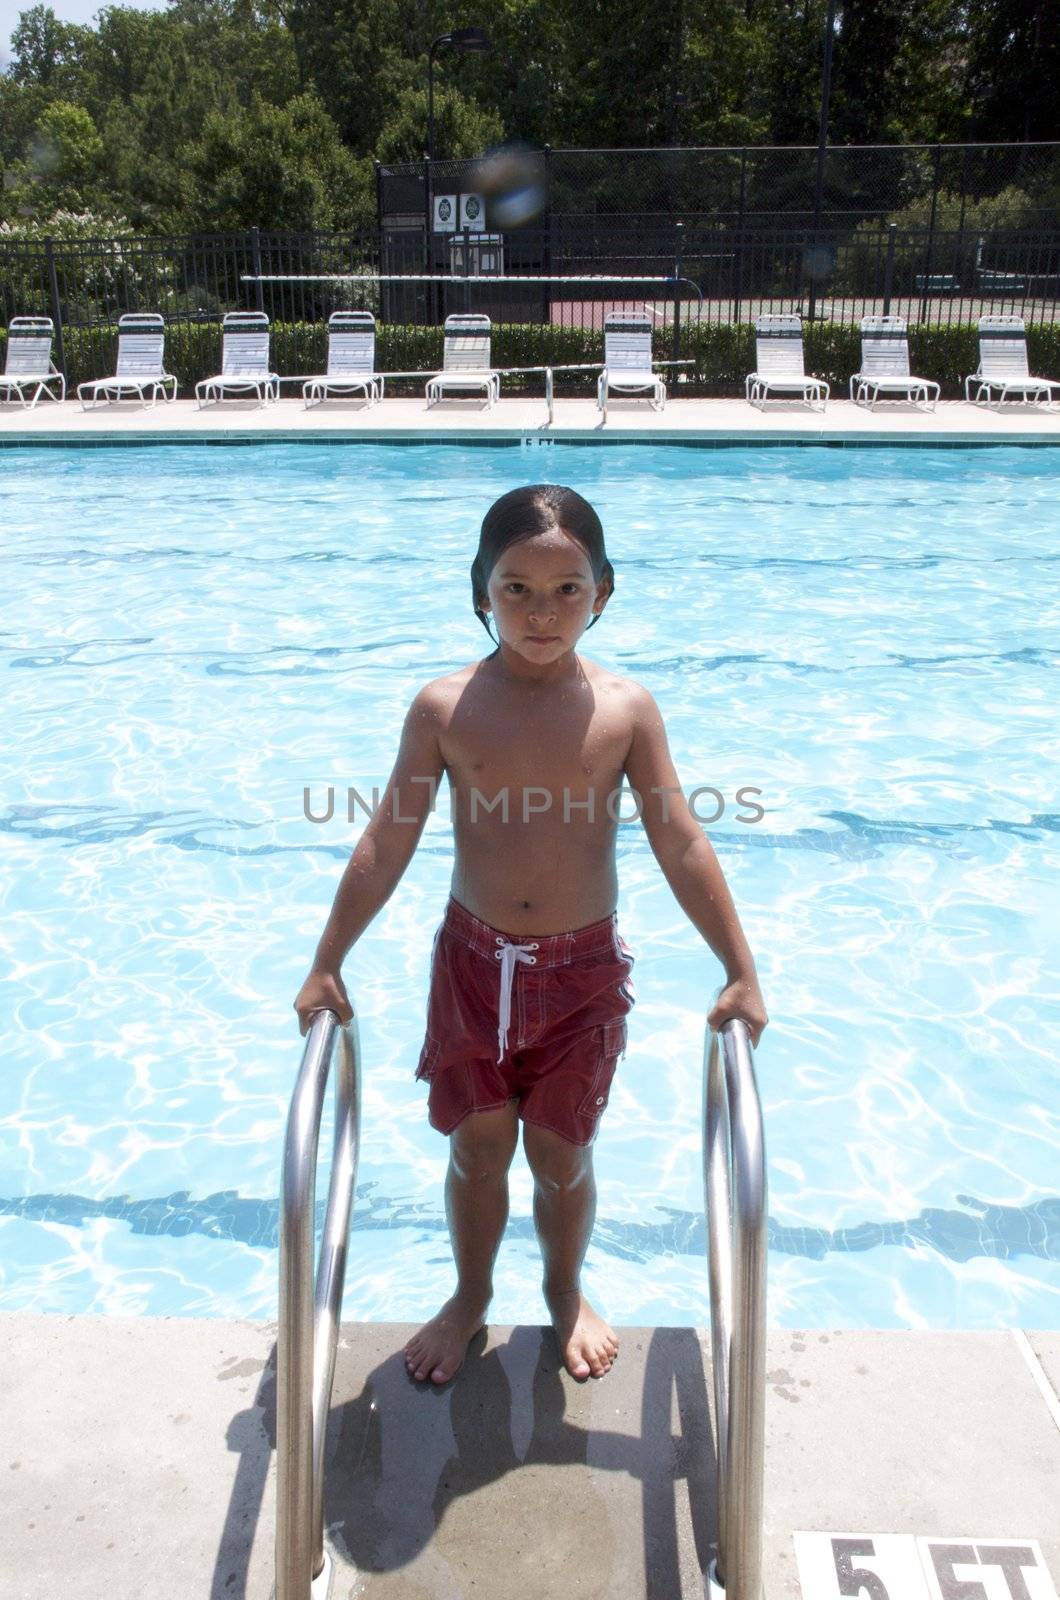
(45, 48)
(1014, 68)
(898, 71)
(176, 98)
(461, 128)
(62, 168)
(275, 167)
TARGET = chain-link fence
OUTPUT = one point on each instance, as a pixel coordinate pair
(765, 186)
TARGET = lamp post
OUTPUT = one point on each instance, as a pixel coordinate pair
(462, 40)
(822, 146)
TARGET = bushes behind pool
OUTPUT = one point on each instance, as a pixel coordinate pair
(723, 354)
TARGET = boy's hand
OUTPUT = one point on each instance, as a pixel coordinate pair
(741, 997)
(322, 991)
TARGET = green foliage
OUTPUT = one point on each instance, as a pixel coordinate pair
(286, 163)
(268, 112)
(897, 72)
(1012, 56)
(957, 231)
(46, 50)
(461, 128)
(62, 169)
(1009, 208)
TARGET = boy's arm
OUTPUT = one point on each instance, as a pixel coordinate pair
(391, 835)
(689, 864)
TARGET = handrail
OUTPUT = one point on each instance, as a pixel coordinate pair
(310, 1309)
(734, 1155)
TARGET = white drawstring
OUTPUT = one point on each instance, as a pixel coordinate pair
(508, 956)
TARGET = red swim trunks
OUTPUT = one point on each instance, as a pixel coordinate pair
(535, 1017)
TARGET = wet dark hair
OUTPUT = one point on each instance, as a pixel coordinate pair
(538, 508)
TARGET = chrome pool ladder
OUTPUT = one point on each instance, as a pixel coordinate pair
(734, 1165)
(310, 1308)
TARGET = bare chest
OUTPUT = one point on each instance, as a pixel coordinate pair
(554, 747)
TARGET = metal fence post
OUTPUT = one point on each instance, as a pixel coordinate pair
(931, 235)
(428, 226)
(57, 310)
(679, 242)
(255, 256)
(738, 288)
(964, 186)
(380, 246)
(888, 268)
(547, 224)
(822, 149)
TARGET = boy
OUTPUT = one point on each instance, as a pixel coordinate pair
(529, 977)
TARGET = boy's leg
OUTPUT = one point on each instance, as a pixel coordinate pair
(564, 1212)
(476, 1206)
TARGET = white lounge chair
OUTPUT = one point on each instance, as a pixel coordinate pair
(139, 369)
(29, 363)
(885, 367)
(466, 358)
(1003, 365)
(351, 359)
(244, 361)
(779, 362)
(627, 360)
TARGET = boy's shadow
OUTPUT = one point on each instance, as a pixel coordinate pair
(411, 1466)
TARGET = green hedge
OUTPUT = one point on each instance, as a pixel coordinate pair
(723, 353)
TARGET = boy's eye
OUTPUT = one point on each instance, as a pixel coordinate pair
(568, 588)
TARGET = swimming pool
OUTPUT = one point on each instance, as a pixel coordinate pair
(868, 637)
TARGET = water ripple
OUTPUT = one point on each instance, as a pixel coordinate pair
(999, 1232)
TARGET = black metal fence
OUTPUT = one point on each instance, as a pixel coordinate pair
(714, 273)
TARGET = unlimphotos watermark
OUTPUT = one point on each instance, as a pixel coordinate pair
(530, 800)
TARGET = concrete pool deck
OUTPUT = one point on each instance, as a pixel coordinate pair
(139, 1461)
(516, 420)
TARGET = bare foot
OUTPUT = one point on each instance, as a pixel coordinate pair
(441, 1344)
(588, 1343)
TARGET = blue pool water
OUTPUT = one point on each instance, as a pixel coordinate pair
(869, 637)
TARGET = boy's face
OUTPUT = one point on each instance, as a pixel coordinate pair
(542, 595)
